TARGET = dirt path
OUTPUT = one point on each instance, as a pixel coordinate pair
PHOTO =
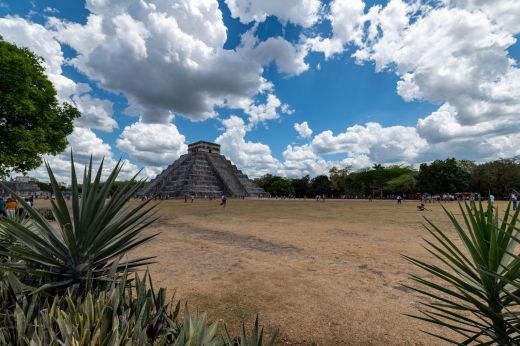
(322, 273)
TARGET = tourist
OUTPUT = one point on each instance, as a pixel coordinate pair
(514, 199)
(224, 201)
(472, 201)
(10, 206)
(398, 199)
(2, 207)
(491, 203)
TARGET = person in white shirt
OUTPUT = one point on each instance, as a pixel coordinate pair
(492, 201)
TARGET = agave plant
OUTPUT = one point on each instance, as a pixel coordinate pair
(87, 240)
(256, 339)
(474, 292)
(130, 312)
(194, 331)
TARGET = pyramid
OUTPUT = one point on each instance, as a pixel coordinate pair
(203, 171)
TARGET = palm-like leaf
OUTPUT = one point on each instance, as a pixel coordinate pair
(473, 291)
(89, 239)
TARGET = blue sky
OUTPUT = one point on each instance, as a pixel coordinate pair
(325, 69)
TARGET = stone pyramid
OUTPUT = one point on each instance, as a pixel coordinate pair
(202, 172)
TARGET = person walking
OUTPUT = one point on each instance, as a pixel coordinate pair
(192, 197)
(10, 206)
(224, 201)
(514, 200)
(2, 207)
(398, 199)
(472, 202)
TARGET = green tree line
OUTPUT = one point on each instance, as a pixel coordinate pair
(498, 177)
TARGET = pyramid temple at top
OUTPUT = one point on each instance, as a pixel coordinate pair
(202, 172)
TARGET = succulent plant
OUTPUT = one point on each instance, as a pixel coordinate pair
(87, 239)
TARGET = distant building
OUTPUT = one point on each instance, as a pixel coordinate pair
(23, 186)
(25, 179)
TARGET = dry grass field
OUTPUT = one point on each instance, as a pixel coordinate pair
(322, 273)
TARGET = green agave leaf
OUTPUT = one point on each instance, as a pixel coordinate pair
(471, 291)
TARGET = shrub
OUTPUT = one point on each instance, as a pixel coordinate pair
(129, 312)
(46, 213)
(256, 339)
(475, 292)
(89, 239)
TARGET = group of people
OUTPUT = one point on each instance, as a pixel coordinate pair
(319, 198)
(223, 199)
(8, 206)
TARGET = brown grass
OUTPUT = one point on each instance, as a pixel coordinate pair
(322, 273)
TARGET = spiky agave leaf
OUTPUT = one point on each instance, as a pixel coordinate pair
(88, 239)
(194, 330)
(120, 315)
(257, 336)
(473, 288)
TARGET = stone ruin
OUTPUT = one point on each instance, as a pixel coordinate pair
(22, 186)
(202, 172)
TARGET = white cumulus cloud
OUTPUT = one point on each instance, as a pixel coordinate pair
(152, 144)
(301, 12)
(169, 59)
(303, 129)
(254, 159)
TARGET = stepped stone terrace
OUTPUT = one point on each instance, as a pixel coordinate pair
(202, 172)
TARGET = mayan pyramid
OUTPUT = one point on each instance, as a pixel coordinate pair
(202, 172)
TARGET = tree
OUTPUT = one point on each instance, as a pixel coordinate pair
(302, 186)
(402, 184)
(443, 176)
(44, 186)
(32, 122)
(281, 187)
(499, 177)
(264, 181)
(338, 179)
(321, 185)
